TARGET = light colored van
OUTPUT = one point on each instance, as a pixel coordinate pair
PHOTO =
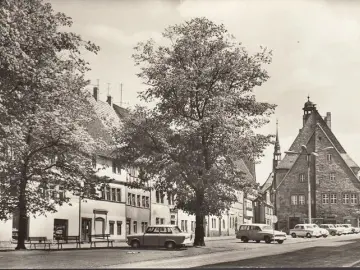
(258, 232)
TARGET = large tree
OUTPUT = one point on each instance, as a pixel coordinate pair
(202, 118)
(44, 111)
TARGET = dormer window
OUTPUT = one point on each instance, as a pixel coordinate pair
(329, 157)
(116, 167)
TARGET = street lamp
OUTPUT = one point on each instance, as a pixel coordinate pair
(308, 154)
(80, 197)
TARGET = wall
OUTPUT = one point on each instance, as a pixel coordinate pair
(6, 230)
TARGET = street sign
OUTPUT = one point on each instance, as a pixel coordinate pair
(274, 219)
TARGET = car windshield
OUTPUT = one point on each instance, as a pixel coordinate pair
(346, 225)
(330, 226)
(176, 229)
(315, 226)
(266, 228)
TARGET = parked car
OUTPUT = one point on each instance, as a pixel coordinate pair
(346, 230)
(258, 232)
(348, 226)
(305, 230)
(356, 230)
(331, 229)
(324, 232)
(169, 236)
(340, 228)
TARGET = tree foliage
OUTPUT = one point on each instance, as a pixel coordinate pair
(44, 110)
(204, 118)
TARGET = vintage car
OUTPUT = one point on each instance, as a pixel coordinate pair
(350, 228)
(258, 232)
(305, 230)
(324, 232)
(331, 229)
(169, 236)
(344, 229)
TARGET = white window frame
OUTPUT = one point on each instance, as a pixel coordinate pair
(302, 177)
(325, 198)
(294, 199)
(346, 198)
(301, 199)
(332, 176)
(329, 157)
(353, 198)
(333, 198)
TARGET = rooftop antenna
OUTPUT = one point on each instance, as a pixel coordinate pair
(121, 95)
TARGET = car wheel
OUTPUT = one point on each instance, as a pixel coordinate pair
(135, 244)
(293, 235)
(280, 241)
(170, 245)
(244, 239)
(267, 239)
(257, 241)
(308, 235)
(333, 233)
(324, 235)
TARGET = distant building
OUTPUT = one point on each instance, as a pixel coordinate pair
(335, 187)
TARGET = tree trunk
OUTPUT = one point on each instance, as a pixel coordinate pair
(22, 216)
(199, 230)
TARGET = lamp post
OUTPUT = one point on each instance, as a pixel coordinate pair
(81, 185)
(308, 154)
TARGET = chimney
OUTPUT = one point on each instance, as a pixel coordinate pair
(328, 119)
(95, 93)
(109, 100)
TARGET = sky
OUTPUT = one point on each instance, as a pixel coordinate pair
(315, 44)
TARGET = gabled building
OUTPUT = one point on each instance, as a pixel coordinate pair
(334, 185)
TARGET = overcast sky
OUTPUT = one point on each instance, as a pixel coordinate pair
(316, 51)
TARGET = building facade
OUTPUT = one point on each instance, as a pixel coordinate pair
(316, 156)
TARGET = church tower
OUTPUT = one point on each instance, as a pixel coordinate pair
(309, 107)
(277, 152)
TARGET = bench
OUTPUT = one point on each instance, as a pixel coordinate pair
(100, 238)
(39, 240)
(68, 239)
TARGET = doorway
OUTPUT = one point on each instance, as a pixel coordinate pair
(85, 228)
(293, 221)
(60, 229)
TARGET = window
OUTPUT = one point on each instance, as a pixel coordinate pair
(113, 194)
(111, 227)
(129, 198)
(170, 199)
(118, 194)
(213, 221)
(293, 199)
(192, 226)
(147, 202)
(223, 224)
(182, 225)
(333, 198)
(143, 226)
(61, 193)
(328, 157)
(354, 199)
(116, 167)
(162, 197)
(301, 200)
(186, 225)
(302, 177)
(162, 221)
(107, 194)
(157, 194)
(138, 200)
(157, 221)
(346, 198)
(325, 198)
(143, 201)
(332, 176)
(135, 226)
(118, 227)
(133, 202)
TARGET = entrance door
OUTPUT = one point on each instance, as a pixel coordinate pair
(60, 228)
(85, 229)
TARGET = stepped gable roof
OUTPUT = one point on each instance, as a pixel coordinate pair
(268, 183)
